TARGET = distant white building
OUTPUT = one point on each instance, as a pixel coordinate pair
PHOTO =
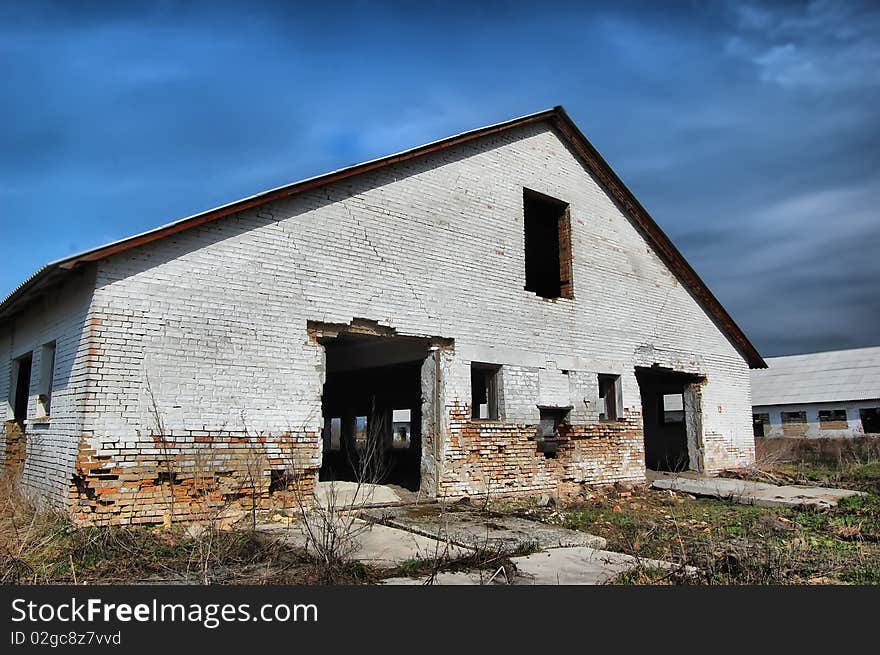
(828, 394)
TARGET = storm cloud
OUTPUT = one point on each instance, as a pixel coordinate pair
(749, 131)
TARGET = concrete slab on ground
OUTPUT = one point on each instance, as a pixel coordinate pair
(341, 495)
(754, 493)
(559, 566)
(473, 529)
(377, 545)
(579, 566)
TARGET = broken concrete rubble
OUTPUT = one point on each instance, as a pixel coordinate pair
(747, 492)
(577, 565)
(377, 545)
(581, 566)
(482, 530)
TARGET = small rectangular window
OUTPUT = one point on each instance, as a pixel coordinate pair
(548, 428)
(609, 393)
(794, 423)
(870, 420)
(401, 425)
(672, 408)
(551, 419)
(547, 246)
(760, 423)
(832, 419)
(47, 374)
(21, 387)
(484, 391)
(360, 432)
(333, 434)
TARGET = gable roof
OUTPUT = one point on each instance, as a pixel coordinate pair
(833, 376)
(557, 118)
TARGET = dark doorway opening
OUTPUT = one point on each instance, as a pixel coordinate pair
(372, 407)
(22, 388)
(870, 420)
(671, 420)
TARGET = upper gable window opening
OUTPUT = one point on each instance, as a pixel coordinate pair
(547, 227)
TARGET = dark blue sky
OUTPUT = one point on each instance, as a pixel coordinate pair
(751, 132)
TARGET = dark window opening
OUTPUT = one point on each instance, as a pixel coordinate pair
(484, 391)
(281, 480)
(333, 434)
(870, 420)
(609, 388)
(22, 388)
(832, 419)
(672, 408)
(760, 422)
(547, 246)
(167, 477)
(551, 418)
(794, 423)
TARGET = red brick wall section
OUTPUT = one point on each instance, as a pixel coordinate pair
(498, 458)
(16, 451)
(191, 476)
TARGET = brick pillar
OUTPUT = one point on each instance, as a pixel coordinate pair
(16, 450)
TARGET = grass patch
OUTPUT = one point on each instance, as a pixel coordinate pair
(736, 544)
(850, 463)
(45, 547)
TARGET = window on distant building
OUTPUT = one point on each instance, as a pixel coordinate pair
(760, 424)
(870, 420)
(832, 419)
(547, 246)
(794, 423)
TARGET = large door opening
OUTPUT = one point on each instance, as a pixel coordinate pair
(671, 419)
(372, 407)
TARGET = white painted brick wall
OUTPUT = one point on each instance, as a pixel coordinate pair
(51, 447)
(215, 317)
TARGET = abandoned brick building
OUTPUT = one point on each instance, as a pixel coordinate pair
(490, 313)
